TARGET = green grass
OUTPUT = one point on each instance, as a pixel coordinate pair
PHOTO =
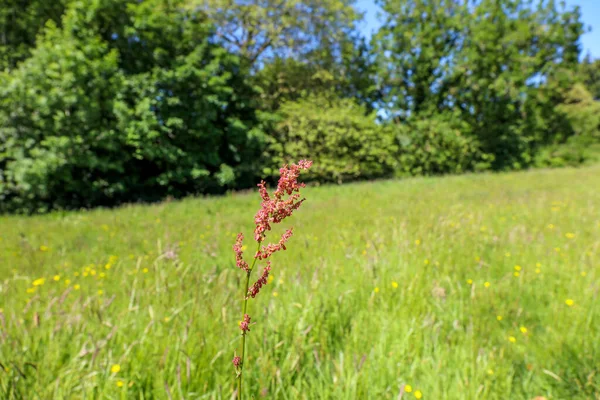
(332, 324)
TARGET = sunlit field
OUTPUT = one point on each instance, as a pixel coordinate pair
(482, 286)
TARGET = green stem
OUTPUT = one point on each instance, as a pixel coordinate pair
(239, 390)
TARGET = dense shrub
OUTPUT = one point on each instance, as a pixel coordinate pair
(437, 145)
(343, 140)
(577, 150)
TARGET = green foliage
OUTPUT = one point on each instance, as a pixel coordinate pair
(439, 145)
(20, 23)
(590, 74)
(58, 137)
(111, 101)
(484, 59)
(577, 150)
(260, 30)
(342, 139)
(582, 139)
(81, 128)
(582, 112)
(350, 76)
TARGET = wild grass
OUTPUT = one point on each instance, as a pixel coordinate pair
(383, 285)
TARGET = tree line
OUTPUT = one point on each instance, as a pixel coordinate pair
(110, 101)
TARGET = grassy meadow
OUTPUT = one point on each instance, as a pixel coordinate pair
(477, 286)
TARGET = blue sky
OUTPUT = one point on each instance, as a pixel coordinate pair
(590, 12)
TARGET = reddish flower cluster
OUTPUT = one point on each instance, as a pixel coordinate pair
(274, 210)
(237, 248)
(254, 289)
(288, 181)
(245, 324)
(271, 248)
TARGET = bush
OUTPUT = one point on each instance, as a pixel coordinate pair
(436, 145)
(344, 141)
(577, 150)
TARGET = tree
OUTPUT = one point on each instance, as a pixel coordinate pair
(20, 23)
(590, 74)
(487, 59)
(264, 29)
(81, 126)
(417, 46)
(352, 76)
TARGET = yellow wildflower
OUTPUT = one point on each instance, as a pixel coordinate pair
(275, 294)
(523, 330)
(76, 287)
(376, 290)
(407, 388)
(570, 235)
(569, 302)
(120, 383)
(499, 317)
(39, 282)
(418, 394)
(395, 285)
(517, 267)
(512, 339)
(469, 281)
(487, 284)
(115, 368)
(44, 248)
(516, 273)
(56, 278)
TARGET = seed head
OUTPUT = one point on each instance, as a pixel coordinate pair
(254, 289)
(239, 253)
(245, 324)
(237, 361)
